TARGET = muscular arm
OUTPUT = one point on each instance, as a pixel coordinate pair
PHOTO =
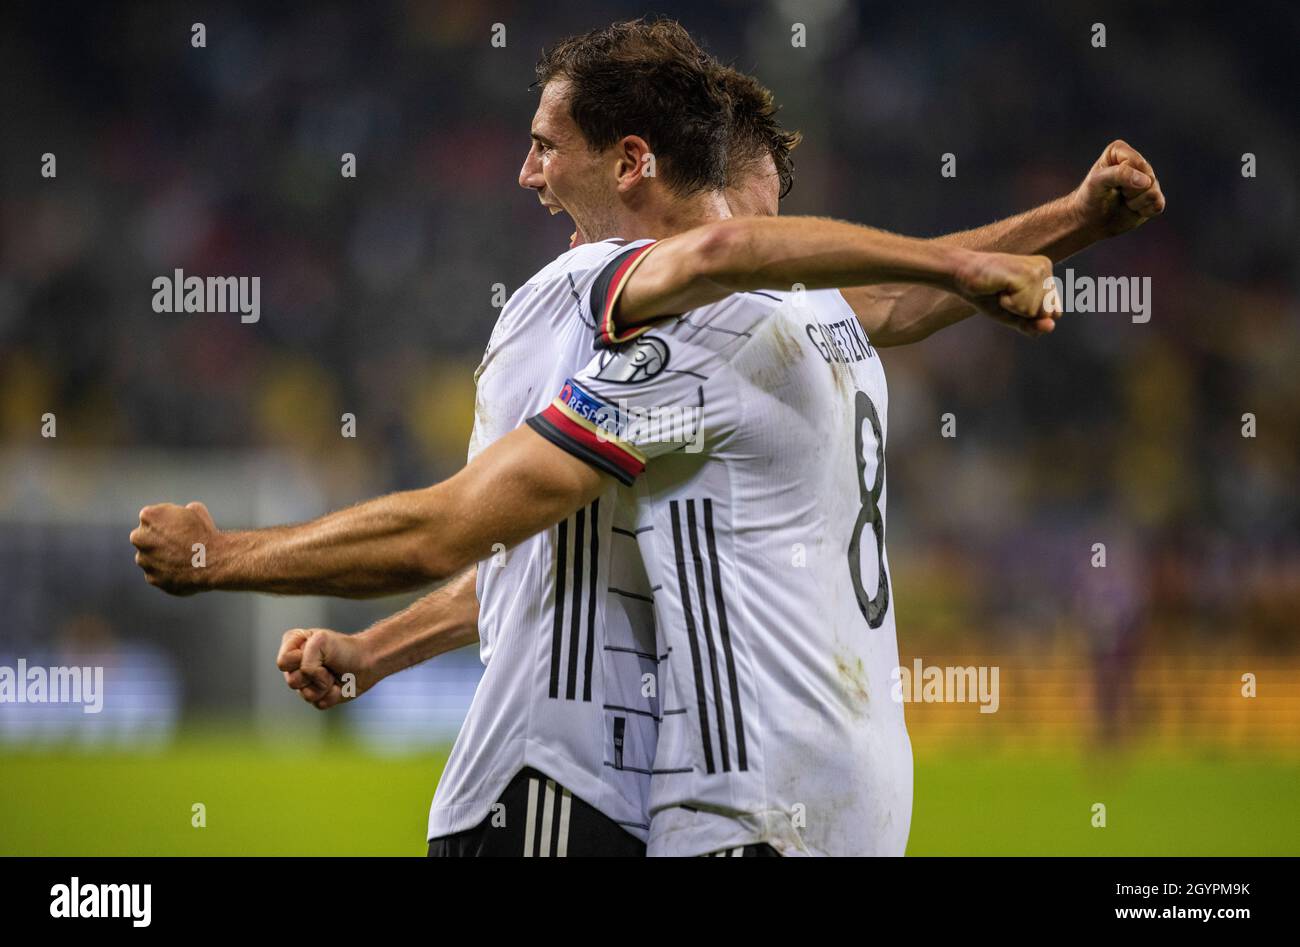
(442, 621)
(705, 264)
(316, 660)
(519, 486)
(899, 314)
(709, 263)
(1119, 193)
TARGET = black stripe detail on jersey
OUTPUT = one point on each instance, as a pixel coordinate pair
(621, 650)
(651, 772)
(725, 630)
(701, 326)
(758, 292)
(632, 532)
(604, 283)
(557, 627)
(738, 337)
(688, 613)
(620, 728)
(569, 572)
(575, 629)
(638, 597)
(580, 451)
(630, 769)
(577, 298)
(718, 705)
(633, 710)
(591, 601)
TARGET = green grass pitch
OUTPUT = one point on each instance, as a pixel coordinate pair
(342, 801)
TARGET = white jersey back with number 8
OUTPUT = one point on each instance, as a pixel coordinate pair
(761, 431)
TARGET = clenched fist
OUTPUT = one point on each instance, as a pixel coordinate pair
(317, 663)
(1012, 289)
(173, 544)
(1119, 193)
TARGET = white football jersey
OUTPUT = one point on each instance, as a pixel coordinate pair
(566, 624)
(754, 431)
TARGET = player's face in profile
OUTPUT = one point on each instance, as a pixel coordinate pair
(758, 191)
(560, 166)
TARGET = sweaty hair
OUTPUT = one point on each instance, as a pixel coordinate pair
(648, 78)
(755, 130)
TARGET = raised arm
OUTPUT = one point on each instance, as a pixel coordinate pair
(901, 288)
(519, 486)
(902, 313)
(1119, 193)
(316, 661)
(711, 262)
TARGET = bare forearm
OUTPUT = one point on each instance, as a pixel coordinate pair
(373, 548)
(712, 262)
(899, 314)
(1052, 230)
(819, 253)
(443, 620)
(515, 488)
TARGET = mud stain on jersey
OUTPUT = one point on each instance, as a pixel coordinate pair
(843, 379)
(853, 678)
(842, 373)
(787, 349)
(782, 351)
(482, 420)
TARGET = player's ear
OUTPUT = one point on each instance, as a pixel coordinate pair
(635, 161)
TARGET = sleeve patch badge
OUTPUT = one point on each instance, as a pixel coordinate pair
(634, 362)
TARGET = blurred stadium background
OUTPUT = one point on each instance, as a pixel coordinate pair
(1120, 686)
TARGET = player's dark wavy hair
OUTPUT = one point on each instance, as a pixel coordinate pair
(755, 130)
(648, 77)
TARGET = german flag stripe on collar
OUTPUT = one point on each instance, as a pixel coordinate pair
(605, 292)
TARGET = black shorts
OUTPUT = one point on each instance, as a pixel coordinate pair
(757, 850)
(537, 817)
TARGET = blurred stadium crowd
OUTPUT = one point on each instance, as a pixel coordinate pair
(376, 291)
